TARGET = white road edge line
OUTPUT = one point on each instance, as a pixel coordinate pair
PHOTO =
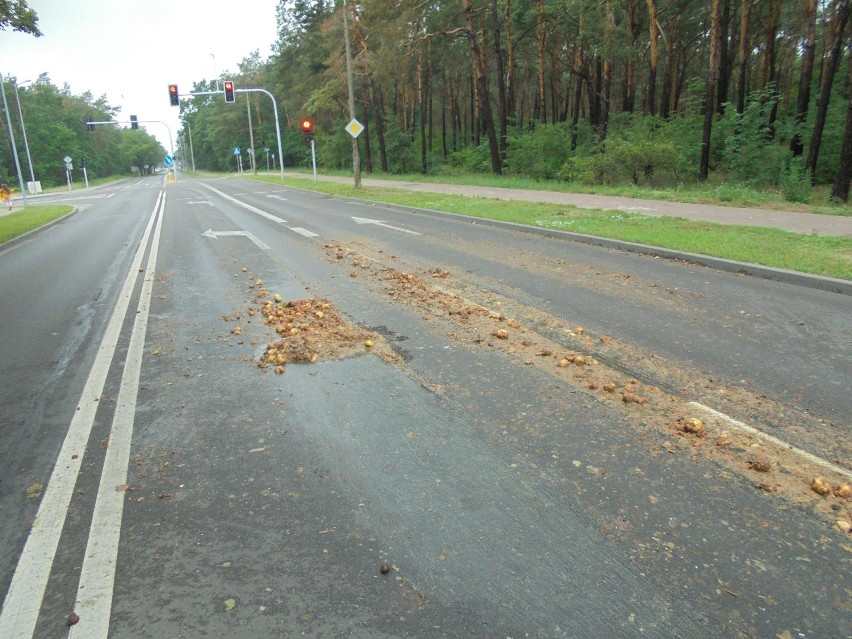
(97, 577)
(301, 231)
(778, 442)
(26, 591)
(249, 207)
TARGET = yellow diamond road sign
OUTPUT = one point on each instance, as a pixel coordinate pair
(354, 128)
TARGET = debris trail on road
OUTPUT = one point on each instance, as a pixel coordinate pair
(772, 465)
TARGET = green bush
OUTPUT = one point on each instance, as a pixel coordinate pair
(638, 153)
(796, 182)
(752, 152)
(539, 153)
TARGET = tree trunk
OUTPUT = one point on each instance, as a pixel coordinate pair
(607, 72)
(709, 111)
(368, 148)
(771, 75)
(839, 17)
(444, 150)
(510, 62)
(541, 113)
(840, 191)
(378, 109)
(595, 93)
(578, 79)
(421, 98)
(724, 57)
(653, 59)
(501, 79)
(484, 98)
(744, 51)
(806, 74)
(668, 75)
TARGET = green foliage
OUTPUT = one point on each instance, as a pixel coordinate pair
(55, 128)
(471, 159)
(753, 152)
(538, 153)
(636, 150)
(796, 182)
(17, 15)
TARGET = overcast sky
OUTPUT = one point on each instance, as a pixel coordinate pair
(131, 50)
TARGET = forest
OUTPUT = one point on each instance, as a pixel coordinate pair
(648, 92)
(660, 93)
(108, 150)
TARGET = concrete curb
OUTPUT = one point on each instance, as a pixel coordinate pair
(830, 284)
(21, 238)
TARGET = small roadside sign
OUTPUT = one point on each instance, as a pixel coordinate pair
(354, 128)
(236, 150)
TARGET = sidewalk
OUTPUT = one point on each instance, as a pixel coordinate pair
(785, 220)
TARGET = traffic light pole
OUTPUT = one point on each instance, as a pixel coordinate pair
(277, 126)
(274, 108)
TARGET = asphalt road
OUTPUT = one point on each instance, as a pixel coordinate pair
(186, 492)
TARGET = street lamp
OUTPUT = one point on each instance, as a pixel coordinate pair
(24, 129)
(12, 138)
(213, 55)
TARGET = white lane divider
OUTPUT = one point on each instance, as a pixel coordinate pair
(296, 229)
(26, 591)
(248, 207)
(819, 461)
(97, 576)
(365, 220)
(304, 232)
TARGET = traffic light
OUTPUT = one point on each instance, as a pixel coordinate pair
(174, 96)
(134, 123)
(90, 123)
(229, 91)
(308, 128)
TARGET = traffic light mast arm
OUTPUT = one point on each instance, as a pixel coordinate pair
(277, 126)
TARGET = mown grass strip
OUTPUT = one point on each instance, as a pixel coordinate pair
(29, 218)
(819, 255)
(716, 191)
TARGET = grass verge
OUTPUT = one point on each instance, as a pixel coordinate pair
(29, 218)
(819, 255)
(717, 190)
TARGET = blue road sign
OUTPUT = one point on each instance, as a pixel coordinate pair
(236, 150)
(168, 160)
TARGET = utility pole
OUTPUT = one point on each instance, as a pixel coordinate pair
(356, 158)
(251, 136)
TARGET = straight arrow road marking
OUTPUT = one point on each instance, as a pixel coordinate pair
(217, 234)
(364, 220)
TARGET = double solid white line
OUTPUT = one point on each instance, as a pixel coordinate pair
(23, 601)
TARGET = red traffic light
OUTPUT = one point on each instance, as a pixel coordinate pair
(229, 91)
(307, 126)
(174, 97)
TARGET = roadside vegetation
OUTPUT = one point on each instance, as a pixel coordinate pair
(827, 256)
(32, 217)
